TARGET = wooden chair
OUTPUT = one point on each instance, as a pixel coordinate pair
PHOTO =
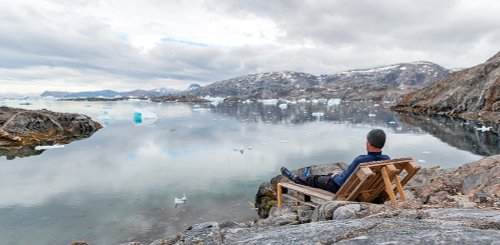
(369, 181)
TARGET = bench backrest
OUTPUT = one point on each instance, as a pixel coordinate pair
(381, 179)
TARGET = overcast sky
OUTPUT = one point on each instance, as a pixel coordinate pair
(76, 45)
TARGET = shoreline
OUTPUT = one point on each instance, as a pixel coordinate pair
(463, 199)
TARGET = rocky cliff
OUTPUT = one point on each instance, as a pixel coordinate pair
(22, 130)
(387, 82)
(469, 93)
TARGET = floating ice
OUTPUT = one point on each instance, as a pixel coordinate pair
(214, 100)
(269, 102)
(302, 100)
(426, 152)
(392, 122)
(315, 101)
(181, 200)
(284, 141)
(283, 106)
(105, 118)
(371, 115)
(332, 102)
(144, 117)
(422, 161)
(48, 147)
(484, 129)
(318, 114)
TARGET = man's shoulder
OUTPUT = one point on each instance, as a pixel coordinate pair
(369, 158)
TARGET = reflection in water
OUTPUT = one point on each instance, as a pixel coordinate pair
(459, 133)
(122, 183)
(23, 151)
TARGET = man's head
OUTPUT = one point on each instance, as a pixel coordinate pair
(375, 139)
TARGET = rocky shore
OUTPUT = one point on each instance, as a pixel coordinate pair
(22, 130)
(446, 206)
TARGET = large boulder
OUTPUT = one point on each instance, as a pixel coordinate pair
(21, 130)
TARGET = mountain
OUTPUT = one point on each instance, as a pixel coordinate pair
(468, 93)
(260, 86)
(111, 93)
(379, 83)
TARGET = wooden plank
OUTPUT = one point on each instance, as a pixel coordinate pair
(301, 201)
(323, 194)
(393, 161)
(279, 195)
(388, 185)
(399, 188)
(377, 186)
(361, 186)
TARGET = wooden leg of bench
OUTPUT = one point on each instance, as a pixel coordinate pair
(400, 189)
(388, 186)
(280, 198)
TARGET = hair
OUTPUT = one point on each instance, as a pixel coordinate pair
(376, 138)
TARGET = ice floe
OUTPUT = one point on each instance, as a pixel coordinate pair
(48, 147)
(484, 129)
(181, 200)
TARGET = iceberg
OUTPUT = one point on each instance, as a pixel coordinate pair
(283, 106)
(144, 117)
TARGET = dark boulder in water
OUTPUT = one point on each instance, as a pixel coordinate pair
(22, 130)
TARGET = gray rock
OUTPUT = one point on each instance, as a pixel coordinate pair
(435, 226)
(346, 212)
(205, 233)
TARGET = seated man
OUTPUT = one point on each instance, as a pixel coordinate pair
(375, 140)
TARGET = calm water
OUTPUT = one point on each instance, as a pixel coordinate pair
(119, 185)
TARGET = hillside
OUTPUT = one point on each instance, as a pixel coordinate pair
(380, 83)
(469, 93)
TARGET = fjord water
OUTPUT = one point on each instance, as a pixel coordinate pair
(119, 185)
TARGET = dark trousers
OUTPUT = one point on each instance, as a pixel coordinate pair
(324, 182)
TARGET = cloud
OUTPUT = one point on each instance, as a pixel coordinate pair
(132, 44)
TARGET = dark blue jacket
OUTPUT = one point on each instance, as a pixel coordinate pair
(339, 179)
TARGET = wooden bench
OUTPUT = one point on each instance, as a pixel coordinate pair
(370, 180)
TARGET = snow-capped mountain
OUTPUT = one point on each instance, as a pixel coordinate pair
(388, 82)
(263, 85)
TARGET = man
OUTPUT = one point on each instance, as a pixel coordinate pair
(375, 140)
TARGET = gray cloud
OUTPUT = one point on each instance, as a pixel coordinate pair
(313, 36)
